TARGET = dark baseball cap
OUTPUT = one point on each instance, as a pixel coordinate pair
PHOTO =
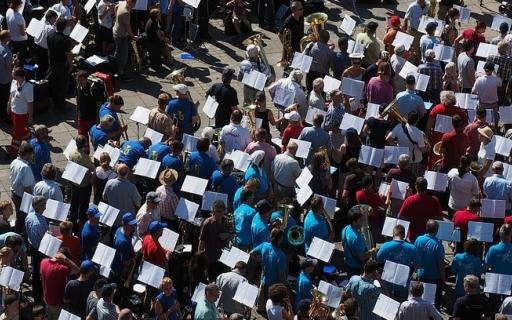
(128, 218)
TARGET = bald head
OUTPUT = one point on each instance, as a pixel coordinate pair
(122, 170)
(292, 147)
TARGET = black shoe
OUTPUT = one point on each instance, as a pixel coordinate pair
(124, 77)
(205, 36)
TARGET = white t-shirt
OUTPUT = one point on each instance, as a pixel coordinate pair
(487, 152)
(21, 96)
(42, 39)
(63, 11)
(107, 20)
(461, 189)
(235, 137)
(14, 21)
(274, 312)
(403, 141)
(487, 88)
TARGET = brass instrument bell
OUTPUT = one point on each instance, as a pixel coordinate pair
(178, 76)
(394, 112)
(295, 235)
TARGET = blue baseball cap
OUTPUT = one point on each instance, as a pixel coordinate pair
(93, 211)
(88, 265)
(155, 226)
(128, 218)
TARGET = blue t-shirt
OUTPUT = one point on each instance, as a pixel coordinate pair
(464, 264)
(304, 287)
(260, 175)
(41, 157)
(158, 151)
(201, 165)
(89, 239)
(98, 137)
(353, 244)
(174, 162)
(499, 258)
(273, 262)
(237, 201)
(341, 63)
(104, 110)
(243, 221)
(259, 230)
(398, 251)
(431, 252)
(124, 251)
(314, 227)
(131, 152)
(183, 110)
(290, 223)
(167, 302)
(224, 184)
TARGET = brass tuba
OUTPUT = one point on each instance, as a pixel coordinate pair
(316, 22)
(257, 40)
(287, 55)
(295, 235)
(318, 310)
(365, 210)
(392, 110)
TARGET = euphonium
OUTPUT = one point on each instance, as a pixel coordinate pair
(287, 55)
(317, 22)
(365, 210)
(394, 112)
(257, 40)
(295, 235)
(318, 310)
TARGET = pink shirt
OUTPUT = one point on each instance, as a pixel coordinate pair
(379, 91)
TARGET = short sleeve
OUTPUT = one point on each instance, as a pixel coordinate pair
(29, 93)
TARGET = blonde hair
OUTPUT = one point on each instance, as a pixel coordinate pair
(165, 281)
(4, 204)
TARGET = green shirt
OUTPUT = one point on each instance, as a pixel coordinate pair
(372, 46)
(206, 310)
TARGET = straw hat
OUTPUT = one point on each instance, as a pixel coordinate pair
(168, 176)
(486, 132)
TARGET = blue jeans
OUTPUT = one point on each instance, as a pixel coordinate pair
(121, 53)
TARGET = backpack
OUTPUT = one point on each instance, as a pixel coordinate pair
(98, 88)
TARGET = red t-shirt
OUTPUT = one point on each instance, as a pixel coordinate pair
(153, 252)
(418, 209)
(73, 244)
(471, 34)
(447, 111)
(455, 146)
(373, 200)
(291, 132)
(461, 219)
(54, 276)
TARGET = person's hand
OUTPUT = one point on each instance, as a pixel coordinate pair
(135, 38)
(124, 128)
(168, 254)
(60, 257)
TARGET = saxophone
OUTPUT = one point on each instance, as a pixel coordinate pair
(287, 54)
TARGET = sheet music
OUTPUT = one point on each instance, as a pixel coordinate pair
(498, 19)
(79, 33)
(331, 84)
(467, 101)
(403, 38)
(104, 255)
(284, 95)
(140, 115)
(11, 278)
(329, 205)
(303, 148)
(304, 178)
(109, 214)
(386, 307)
(151, 274)
(65, 315)
(311, 114)
(303, 195)
(348, 25)
(493, 208)
(425, 20)
(372, 110)
(301, 61)
(255, 79)
(320, 249)
(447, 232)
(352, 88)
(443, 123)
(242, 160)
(168, 239)
(88, 6)
(481, 231)
(351, 121)
(480, 67)
(421, 81)
(392, 153)
(436, 181)
(199, 293)
(141, 5)
(194, 185)
(246, 294)
(35, 28)
(153, 135)
(507, 171)
(70, 148)
(147, 168)
(429, 291)
(390, 223)
(398, 189)
(383, 189)
(444, 53)
(192, 3)
(486, 49)
(210, 107)
(95, 60)
(49, 245)
(503, 145)
(332, 293)
(371, 156)
(74, 172)
(187, 209)
(408, 69)
(114, 153)
(464, 13)
(505, 114)
(396, 273)
(233, 255)
(497, 283)
(354, 47)
(210, 197)
(56, 210)
(26, 203)
(189, 142)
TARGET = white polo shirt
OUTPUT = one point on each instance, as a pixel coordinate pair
(21, 96)
(403, 141)
(14, 21)
(20, 176)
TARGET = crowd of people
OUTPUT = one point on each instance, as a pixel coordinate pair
(395, 154)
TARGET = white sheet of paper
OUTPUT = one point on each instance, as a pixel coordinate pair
(242, 160)
(88, 6)
(56, 210)
(304, 194)
(312, 112)
(210, 197)
(371, 156)
(383, 189)
(320, 249)
(141, 5)
(503, 145)
(396, 273)
(436, 181)
(147, 168)
(198, 292)
(304, 178)
(140, 115)
(351, 121)
(486, 49)
(301, 61)
(74, 172)
(26, 203)
(481, 231)
(79, 33)
(372, 110)
(194, 185)
(425, 20)
(11, 278)
(429, 291)
(398, 189)
(168, 239)
(352, 88)
(329, 205)
(49, 245)
(403, 38)
(392, 153)
(421, 81)
(95, 60)
(187, 209)
(505, 115)
(189, 142)
(480, 67)
(444, 53)
(284, 95)
(408, 69)
(304, 147)
(493, 208)
(354, 47)
(390, 223)
(153, 135)
(386, 307)
(255, 79)
(114, 154)
(332, 293)
(331, 84)
(443, 123)
(447, 232)
(498, 283)
(109, 214)
(348, 25)
(498, 19)
(66, 315)
(507, 171)
(76, 49)
(70, 148)
(192, 3)
(233, 255)
(151, 274)
(210, 107)
(467, 101)
(35, 28)
(246, 294)
(104, 255)
(464, 13)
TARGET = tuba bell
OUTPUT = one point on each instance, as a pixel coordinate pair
(392, 110)
(295, 235)
(316, 22)
(178, 76)
(257, 40)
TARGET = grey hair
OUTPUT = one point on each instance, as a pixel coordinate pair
(318, 82)
(447, 98)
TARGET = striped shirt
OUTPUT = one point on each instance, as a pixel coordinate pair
(161, 122)
(418, 309)
(169, 202)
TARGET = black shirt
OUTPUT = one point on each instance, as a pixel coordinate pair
(226, 96)
(297, 29)
(58, 45)
(151, 29)
(87, 103)
(471, 307)
(378, 128)
(76, 292)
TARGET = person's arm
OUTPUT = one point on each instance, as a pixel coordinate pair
(159, 311)
(485, 168)
(390, 140)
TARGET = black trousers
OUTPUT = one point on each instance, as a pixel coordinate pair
(42, 62)
(37, 285)
(4, 98)
(20, 49)
(205, 10)
(267, 11)
(80, 197)
(59, 79)
(19, 226)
